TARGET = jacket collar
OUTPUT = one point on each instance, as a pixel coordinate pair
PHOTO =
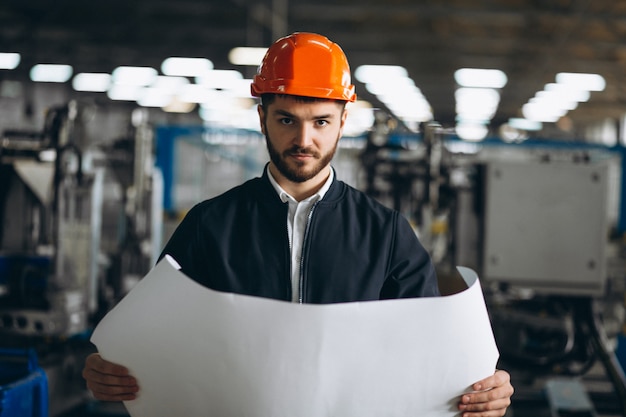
(334, 192)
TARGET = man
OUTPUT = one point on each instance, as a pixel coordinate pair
(297, 233)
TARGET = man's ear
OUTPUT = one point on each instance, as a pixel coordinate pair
(261, 112)
(344, 116)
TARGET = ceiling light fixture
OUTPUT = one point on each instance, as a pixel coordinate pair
(542, 112)
(477, 100)
(397, 91)
(169, 83)
(361, 118)
(125, 92)
(134, 76)
(244, 55)
(186, 67)
(525, 124)
(567, 92)
(471, 131)
(94, 82)
(194, 93)
(379, 73)
(582, 81)
(178, 106)
(556, 99)
(154, 97)
(223, 79)
(480, 78)
(9, 60)
(51, 73)
(163, 91)
(476, 105)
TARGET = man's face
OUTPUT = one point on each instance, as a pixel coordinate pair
(301, 136)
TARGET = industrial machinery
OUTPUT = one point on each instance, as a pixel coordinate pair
(51, 216)
(80, 224)
(542, 222)
(132, 229)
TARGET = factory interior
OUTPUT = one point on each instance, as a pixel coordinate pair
(497, 128)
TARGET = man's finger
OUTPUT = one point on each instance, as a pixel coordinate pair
(107, 379)
(96, 362)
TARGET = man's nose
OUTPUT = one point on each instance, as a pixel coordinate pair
(304, 136)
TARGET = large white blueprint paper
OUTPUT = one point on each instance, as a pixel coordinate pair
(198, 352)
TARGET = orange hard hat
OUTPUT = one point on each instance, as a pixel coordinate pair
(305, 64)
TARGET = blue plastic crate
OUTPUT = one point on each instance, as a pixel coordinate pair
(23, 385)
(620, 351)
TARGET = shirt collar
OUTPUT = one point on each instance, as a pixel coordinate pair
(284, 195)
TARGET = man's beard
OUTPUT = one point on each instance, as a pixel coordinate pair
(296, 172)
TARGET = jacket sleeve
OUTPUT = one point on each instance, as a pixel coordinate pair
(411, 271)
(184, 244)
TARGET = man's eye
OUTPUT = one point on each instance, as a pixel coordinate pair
(286, 121)
(322, 122)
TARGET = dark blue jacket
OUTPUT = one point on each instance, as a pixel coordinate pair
(355, 248)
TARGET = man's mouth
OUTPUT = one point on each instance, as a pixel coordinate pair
(301, 154)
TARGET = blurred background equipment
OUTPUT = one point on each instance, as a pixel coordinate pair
(51, 218)
(80, 225)
(542, 223)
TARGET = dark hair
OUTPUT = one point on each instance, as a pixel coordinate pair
(268, 98)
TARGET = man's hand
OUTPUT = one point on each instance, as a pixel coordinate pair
(109, 381)
(491, 398)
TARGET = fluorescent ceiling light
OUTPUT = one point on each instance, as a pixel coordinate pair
(472, 131)
(154, 97)
(177, 106)
(567, 92)
(390, 96)
(392, 86)
(194, 93)
(386, 84)
(169, 83)
(411, 108)
(373, 73)
(186, 67)
(246, 56)
(125, 92)
(134, 76)
(542, 112)
(9, 60)
(556, 99)
(477, 104)
(478, 96)
(51, 73)
(589, 82)
(219, 78)
(228, 114)
(162, 91)
(481, 78)
(96, 82)
(525, 124)
(408, 105)
(361, 118)
(553, 99)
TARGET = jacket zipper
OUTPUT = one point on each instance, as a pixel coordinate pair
(304, 246)
(289, 243)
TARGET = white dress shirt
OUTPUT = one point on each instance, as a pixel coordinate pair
(296, 226)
